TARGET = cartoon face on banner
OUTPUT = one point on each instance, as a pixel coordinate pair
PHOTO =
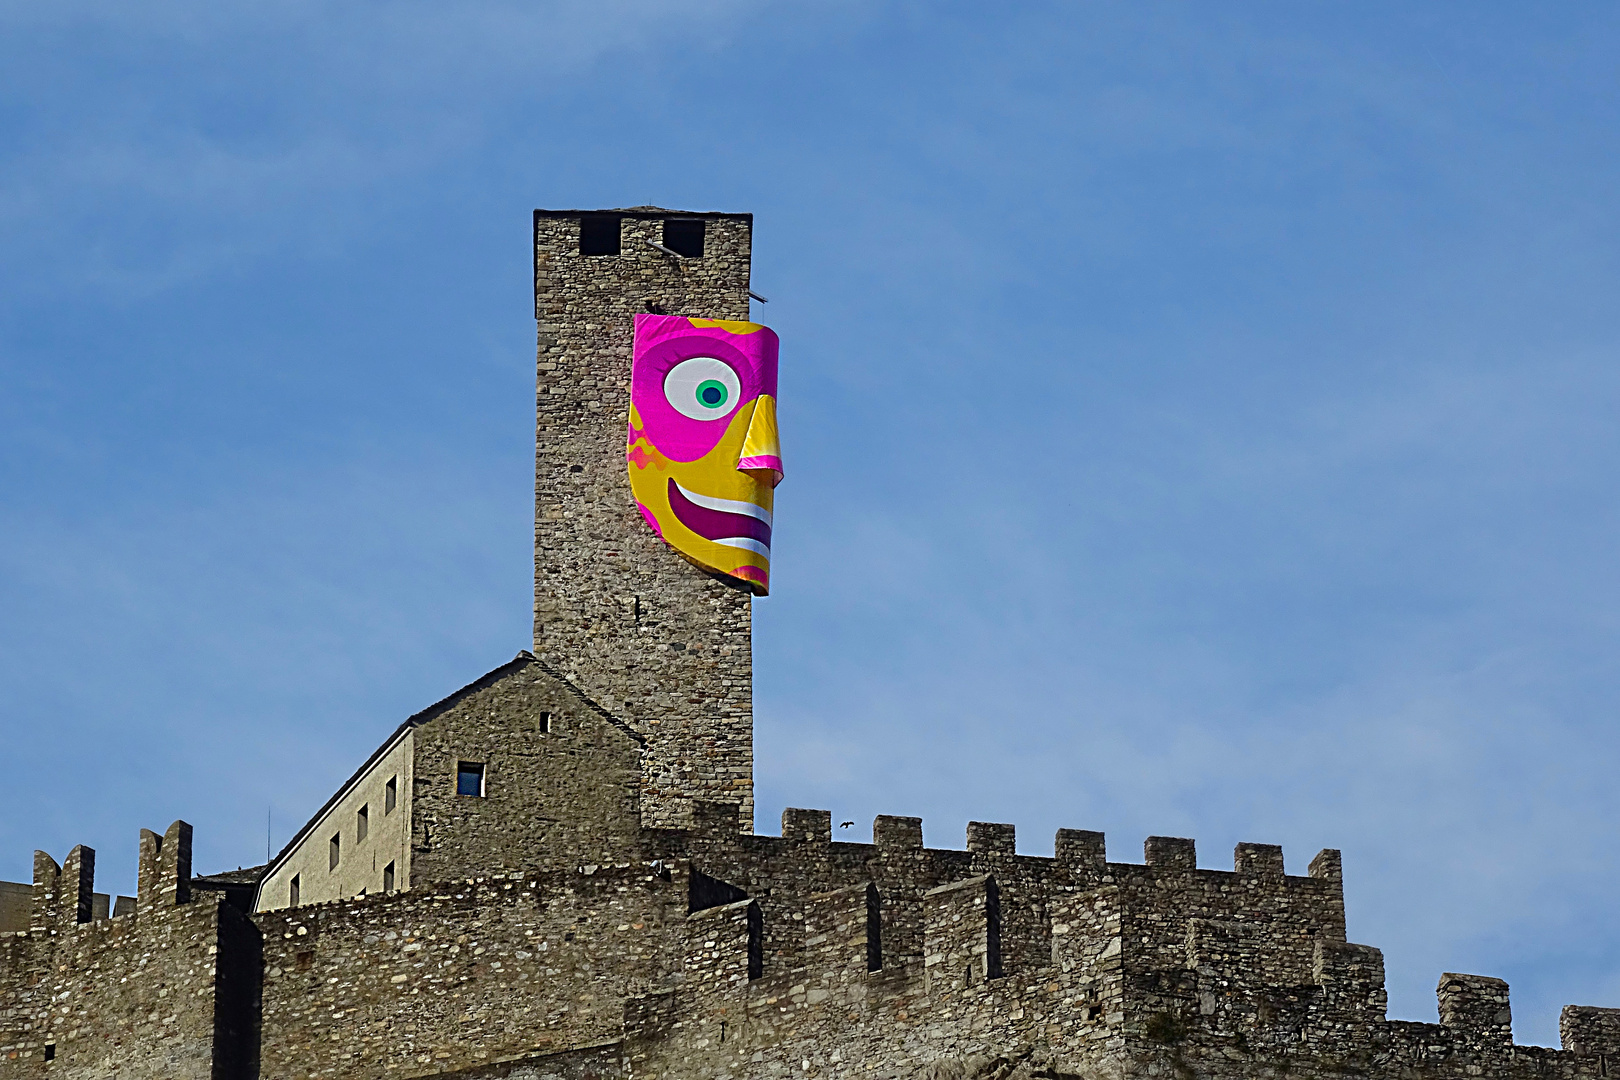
(702, 450)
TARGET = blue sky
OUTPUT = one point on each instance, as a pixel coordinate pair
(1199, 419)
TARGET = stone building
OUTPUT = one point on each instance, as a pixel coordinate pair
(552, 871)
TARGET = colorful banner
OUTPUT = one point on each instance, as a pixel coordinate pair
(702, 451)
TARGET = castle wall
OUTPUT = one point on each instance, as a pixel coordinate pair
(658, 967)
(169, 991)
(1227, 1000)
(654, 639)
(1167, 890)
(562, 793)
(464, 974)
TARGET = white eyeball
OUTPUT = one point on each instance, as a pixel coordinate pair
(702, 388)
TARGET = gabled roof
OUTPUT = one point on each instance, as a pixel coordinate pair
(428, 715)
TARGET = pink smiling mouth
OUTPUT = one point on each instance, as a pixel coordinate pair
(723, 521)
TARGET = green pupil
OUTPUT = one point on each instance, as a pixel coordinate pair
(711, 393)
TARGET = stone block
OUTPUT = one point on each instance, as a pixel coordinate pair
(1258, 860)
(1476, 1008)
(961, 934)
(807, 825)
(1082, 852)
(1585, 1029)
(897, 833)
(992, 839)
(1171, 853)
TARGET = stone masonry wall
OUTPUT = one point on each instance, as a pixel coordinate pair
(558, 792)
(651, 637)
(168, 991)
(462, 974)
(658, 967)
(782, 873)
(1156, 970)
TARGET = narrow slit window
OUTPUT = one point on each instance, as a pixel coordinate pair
(470, 779)
(545, 722)
(390, 795)
(388, 878)
(50, 1051)
(684, 236)
(334, 851)
(599, 234)
(362, 823)
(292, 892)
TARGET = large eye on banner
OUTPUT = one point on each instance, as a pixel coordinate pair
(703, 452)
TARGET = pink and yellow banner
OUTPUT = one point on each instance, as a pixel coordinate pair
(702, 451)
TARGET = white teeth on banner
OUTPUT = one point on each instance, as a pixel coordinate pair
(746, 543)
(727, 506)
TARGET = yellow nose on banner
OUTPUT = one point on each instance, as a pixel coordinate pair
(762, 448)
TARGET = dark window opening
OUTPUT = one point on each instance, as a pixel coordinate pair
(390, 794)
(304, 960)
(362, 823)
(874, 929)
(470, 779)
(388, 878)
(292, 892)
(545, 722)
(50, 1051)
(684, 236)
(756, 943)
(334, 850)
(599, 234)
(704, 892)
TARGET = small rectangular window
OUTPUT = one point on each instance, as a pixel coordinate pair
(684, 236)
(390, 794)
(50, 1051)
(470, 779)
(599, 234)
(292, 892)
(362, 823)
(545, 722)
(388, 878)
(334, 849)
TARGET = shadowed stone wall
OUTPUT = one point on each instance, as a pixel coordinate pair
(561, 779)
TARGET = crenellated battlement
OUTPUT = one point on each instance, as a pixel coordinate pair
(705, 948)
(164, 980)
(1150, 959)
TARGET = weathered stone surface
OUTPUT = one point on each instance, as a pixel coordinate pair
(169, 991)
(654, 639)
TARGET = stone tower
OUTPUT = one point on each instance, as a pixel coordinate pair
(655, 639)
